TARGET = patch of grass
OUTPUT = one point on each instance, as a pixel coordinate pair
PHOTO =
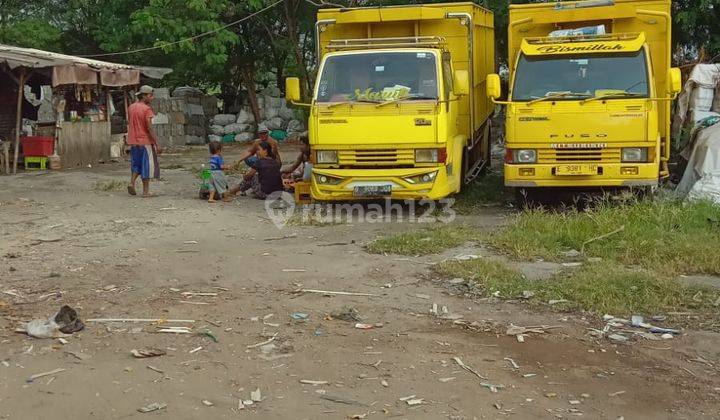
(173, 166)
(488, 275)
(488, 190)
(423, 242)
(112, 185)
(601, 287)
(665, 236)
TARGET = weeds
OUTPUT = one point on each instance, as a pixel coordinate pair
(483, 192)
(112, 185)
(665, 236)
(422, 242)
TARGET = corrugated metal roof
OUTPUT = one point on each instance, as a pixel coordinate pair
(29, 57)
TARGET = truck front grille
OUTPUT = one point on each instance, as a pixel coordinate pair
(376, 157)
(595, 155)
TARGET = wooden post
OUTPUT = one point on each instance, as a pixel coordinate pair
(18, 117)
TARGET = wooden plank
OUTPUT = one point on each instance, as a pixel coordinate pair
(18, 117)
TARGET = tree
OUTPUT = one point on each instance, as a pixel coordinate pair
(697, 27)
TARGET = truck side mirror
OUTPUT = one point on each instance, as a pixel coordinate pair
(675, 80)
(492, 84)
(292, 89)
(461, 82)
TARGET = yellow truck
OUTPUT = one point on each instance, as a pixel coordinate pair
(590, 91)
(399, 108)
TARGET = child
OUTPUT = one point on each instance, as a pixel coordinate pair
(268, 178)
(219, 182)
(301, 169)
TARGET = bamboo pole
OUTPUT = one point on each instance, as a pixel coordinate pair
(18, 117)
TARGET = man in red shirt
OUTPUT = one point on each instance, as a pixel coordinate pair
(143, 142)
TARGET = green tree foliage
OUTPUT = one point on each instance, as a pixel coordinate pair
(697, 26)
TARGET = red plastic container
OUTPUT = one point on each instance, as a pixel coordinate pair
(37, 146)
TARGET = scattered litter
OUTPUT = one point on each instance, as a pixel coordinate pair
(414, 401)
(421, 296)
(209, 335)
(492, 387)
(248, 402)
(256, 396)
(340, 400)
(189, 302)
(157, 320)
(358, 416)
(527, 294)
(574, 402)
(467, 368)
(659, 330)
(294, 270)
(636, 320)
(280, 238)
(207, 403)
(618, 338)
(573, 253)
(348, 314)
(457, 280)
(152, 407)
(147, 352)
(571, 264)
(79, 355)
(268, 341)
(529, 375)
(615, 394)
(667, 336)
(512, 362)
(206, 294)
(314, 383)
(299, 316)
(384, 383)
(43, 374)
(65, 321)
(175, 330)
(154, 369)
(362, 326)
(445, 380)
(191, 243)
(328, 292)
(195, 350)
(466, 257)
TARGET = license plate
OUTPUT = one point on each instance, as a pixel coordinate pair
(372, 190)
(576, 170)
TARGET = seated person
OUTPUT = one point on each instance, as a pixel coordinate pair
(265, 178)
(301, 169)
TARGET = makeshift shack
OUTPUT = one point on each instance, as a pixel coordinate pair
(81, 103)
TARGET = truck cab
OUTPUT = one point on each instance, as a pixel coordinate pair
(394, 112)
(589, 108)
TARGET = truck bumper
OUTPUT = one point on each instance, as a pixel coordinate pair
(613, 175)
(345, 181)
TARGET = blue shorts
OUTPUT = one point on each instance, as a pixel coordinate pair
(143, 161)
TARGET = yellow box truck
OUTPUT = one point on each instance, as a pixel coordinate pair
(399, 107)
(590, 92)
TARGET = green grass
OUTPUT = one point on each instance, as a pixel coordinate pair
(489, 276)
(664, 236)
(423, 242)
(485, 191)
(112, 185)
(601, 287)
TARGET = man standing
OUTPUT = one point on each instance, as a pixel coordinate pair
(143, 142)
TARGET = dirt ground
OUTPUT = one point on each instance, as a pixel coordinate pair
(109, 255)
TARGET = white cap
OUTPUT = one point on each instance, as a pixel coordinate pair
(145, 90)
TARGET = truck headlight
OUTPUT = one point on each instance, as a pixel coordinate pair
(327, 180)
(422, 179)
(634, 154)
(523, 156)
(430, 155)
(326, 156)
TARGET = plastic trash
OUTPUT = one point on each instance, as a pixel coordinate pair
(65, 321)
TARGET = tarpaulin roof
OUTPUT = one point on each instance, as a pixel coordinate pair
(124, 74)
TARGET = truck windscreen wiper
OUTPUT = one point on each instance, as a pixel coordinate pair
(555, 95)
(613, 95)
(407, 98)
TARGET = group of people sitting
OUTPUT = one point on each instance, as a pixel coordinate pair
(266, 174)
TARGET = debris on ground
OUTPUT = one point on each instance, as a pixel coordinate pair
(362, 326)
(520, 332)
(312, 382)
(621, 330)
(207, 403)
(256, 396)
(468, 368)
(147, 352)
(347, 314)
(152, 407)
(43, 374)
(341, 400)
(330, 293)
(299, 316)
(64, 322)
(411, 400)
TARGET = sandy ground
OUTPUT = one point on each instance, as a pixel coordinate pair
(109, 255)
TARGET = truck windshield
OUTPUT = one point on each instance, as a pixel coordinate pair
(616, 76)
(378, 77)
